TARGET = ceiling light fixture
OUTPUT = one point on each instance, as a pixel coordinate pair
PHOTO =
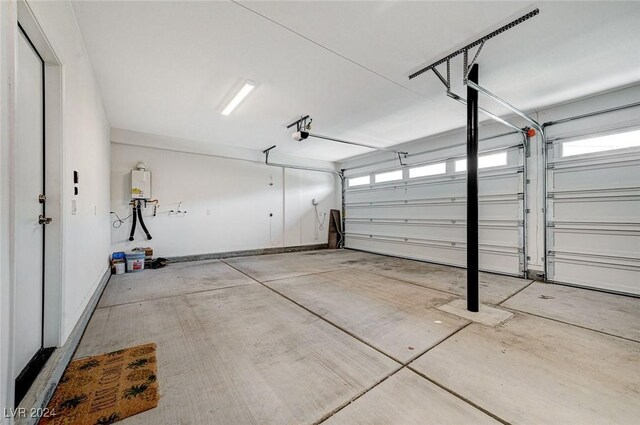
(244, 91)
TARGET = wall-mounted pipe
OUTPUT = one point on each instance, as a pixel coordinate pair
(134, 221)
(141, 220)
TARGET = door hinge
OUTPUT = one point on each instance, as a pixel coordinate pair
(42, 199)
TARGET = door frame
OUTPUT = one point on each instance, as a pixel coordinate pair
(53, 264)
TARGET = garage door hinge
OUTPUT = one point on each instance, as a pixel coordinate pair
(550, 166)
(551, 224)
(550, 195)
(527, 211)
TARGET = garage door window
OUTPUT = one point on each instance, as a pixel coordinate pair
(601, 144)
(428, 170)
(359, 181)
(388, 177)
(485, 161)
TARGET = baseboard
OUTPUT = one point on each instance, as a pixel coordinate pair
(245, 253)
(44, 386)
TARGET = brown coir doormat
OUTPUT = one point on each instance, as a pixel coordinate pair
(104, 389)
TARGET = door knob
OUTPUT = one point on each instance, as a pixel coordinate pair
(44, 220)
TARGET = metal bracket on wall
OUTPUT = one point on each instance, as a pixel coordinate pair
(400, 155)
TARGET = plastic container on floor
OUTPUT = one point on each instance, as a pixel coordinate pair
(135, 262)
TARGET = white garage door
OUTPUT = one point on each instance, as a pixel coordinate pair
(419, 211)
(593, 210)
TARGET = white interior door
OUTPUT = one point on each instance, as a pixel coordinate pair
(29, 185)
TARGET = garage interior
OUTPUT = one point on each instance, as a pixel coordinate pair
(322, 212)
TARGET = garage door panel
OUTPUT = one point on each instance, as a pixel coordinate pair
(499, 262)
(453, 211)
(606, 210)
(489, 234)
(601, 177)
(597, 275)
(457, 188)
(597, 242)
(495, 260)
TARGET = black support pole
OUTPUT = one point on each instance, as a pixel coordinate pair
(472, 193)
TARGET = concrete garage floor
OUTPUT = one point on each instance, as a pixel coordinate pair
(345, 337)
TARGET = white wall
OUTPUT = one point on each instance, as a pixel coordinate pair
(84, 247)
(305, 224)
(228, 203)
(7, 134)
(535, 163)
(86, 150)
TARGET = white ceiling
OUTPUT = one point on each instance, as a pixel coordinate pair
(169, 68)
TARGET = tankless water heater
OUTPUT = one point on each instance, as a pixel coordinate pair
(140, 184)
